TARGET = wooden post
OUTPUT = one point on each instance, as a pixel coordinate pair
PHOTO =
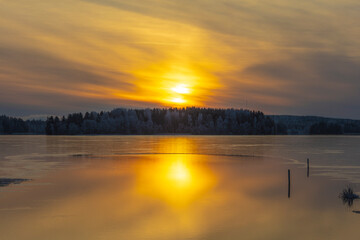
(308, 168)
(288, 183)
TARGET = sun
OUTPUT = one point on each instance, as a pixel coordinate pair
(178, 100)
(179, 93)
(181, 89)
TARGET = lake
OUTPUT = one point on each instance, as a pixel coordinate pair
(178, 187)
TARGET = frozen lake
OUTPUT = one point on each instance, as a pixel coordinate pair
(177, 187)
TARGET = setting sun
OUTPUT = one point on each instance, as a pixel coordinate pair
(181, 88)
(174, 84)
(178, 100)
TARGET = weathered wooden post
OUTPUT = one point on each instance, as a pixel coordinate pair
(308, 168)
(288, 183)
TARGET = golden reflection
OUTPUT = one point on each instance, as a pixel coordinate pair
(177, 179)
(179, 173)
(176, 145)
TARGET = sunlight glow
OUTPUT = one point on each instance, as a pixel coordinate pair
(173, 84)
(181, 88)
(177, 179)
(178, 100)
(179, 173)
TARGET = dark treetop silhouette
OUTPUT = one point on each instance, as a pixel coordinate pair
(189, 120)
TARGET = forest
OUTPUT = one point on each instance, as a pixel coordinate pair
(163, 121)
(12, 125)
(191, 120)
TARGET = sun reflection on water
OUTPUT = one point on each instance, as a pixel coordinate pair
(177, 179)
(179, 173)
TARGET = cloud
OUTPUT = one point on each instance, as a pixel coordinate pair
(317, 74)
(280, 57)
(51, 70)
(314, 83)
(31, 81)
(284, 23)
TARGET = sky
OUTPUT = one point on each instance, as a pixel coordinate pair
(280, 56)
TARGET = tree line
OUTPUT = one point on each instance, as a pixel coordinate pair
(163, 121)
(191, 120)
(11, 125)
(301, 125)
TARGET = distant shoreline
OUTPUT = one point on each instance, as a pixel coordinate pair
(179, 121)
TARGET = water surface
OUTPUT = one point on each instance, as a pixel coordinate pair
(178, 187)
